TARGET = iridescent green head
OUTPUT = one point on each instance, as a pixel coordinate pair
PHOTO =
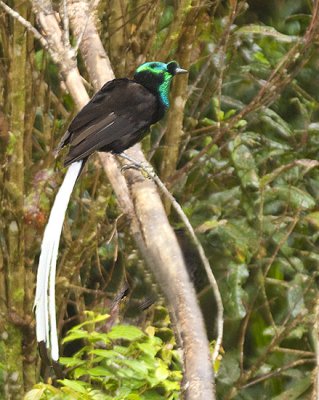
(157, 76)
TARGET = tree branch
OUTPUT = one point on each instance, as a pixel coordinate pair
(26, 24)
(204, 259)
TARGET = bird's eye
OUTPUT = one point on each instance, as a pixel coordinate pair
(153, 65)
(171, 67)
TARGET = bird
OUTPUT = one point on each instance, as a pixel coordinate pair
(118, 116)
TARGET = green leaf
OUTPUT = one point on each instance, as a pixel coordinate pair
(151, 395)
(99, 371)
(229, 370)
(77, 386)
(98, 337)
(171, 386)
(39, 59)
(313, 218)
(297, 388)
(166, 17)
(75, 334)
(238, 238)
(298, 332)
(35, 394)
(105, 353)
(209, 225)
(70, 361)
(259, 56)
(139, 367)
(78, 372)
(93, 319)
(275, 124)
(244, 163)
(99, 395)
(294, 196)
(122, 350)
(148, 348)
(295, 295)
(133, 397)
(162, 373)
(126, 332)
(235, 296)
(263, 30)
(208, 122)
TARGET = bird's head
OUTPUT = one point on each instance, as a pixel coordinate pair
(157, 76)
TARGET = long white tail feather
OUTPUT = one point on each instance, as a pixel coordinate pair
(52, 311)
(45, 301)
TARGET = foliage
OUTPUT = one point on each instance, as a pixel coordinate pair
(122, 363)
(253, 196)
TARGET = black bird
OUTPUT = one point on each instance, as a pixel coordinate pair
(117, 117)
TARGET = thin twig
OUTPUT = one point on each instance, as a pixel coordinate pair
(294, 352)
(204, 259)
(156, 144)
(26, 24)
(246, 376)
(222, 53)
(66, 35)
(80, 37)
(212, 280)
(278, 371)
(253, 301)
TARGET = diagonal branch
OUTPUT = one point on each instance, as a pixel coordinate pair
(26, 24)
(204, 259)
(177, 207)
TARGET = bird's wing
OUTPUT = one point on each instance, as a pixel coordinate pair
(104, 138)
(97, 106)
(121, 108)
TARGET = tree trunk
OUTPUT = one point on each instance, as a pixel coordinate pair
(13, 308)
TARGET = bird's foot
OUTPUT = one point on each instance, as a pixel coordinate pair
(145, 168)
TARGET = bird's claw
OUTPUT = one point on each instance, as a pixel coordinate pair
(129, 166)
(146, 170)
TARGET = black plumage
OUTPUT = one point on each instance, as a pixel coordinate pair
(120, 114)
(116, 118)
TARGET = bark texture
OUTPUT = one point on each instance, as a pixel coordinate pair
(13, 285)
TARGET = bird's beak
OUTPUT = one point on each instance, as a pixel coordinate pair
(180, 71)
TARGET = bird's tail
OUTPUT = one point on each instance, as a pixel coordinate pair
(45, 290)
